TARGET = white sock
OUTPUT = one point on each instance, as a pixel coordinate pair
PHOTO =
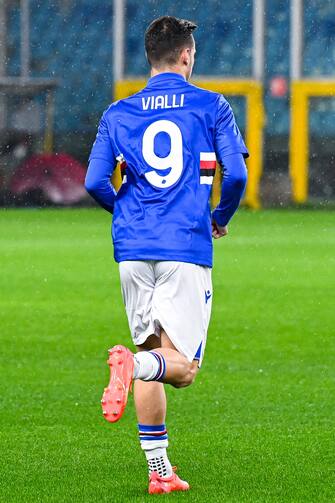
(148, 366)
(159, 462)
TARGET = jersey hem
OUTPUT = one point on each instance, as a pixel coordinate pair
(175, 257)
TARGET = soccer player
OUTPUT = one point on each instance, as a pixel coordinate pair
(167, 139)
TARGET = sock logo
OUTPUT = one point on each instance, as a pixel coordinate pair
(207, 296)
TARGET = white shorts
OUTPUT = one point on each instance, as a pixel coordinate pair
(174, 296)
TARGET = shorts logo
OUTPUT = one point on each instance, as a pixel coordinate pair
(207, 296)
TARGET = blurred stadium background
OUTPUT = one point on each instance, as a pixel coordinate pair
(62, 62)
(262, 409)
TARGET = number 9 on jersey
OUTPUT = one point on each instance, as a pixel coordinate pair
(174, 160)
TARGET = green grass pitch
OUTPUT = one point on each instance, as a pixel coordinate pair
(257, 425)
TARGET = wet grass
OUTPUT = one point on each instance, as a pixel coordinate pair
(258, 424)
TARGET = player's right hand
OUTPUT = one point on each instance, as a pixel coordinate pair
(218, 231)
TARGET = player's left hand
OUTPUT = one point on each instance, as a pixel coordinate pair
(218, 231)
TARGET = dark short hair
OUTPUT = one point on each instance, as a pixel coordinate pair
(165, 37)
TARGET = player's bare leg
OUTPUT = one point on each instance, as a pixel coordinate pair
(166, 364)
(149, 397)
(163, 364)
(150, 403)
(179, 371)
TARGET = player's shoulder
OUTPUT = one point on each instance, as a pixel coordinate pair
(119, 105)
(210, 96)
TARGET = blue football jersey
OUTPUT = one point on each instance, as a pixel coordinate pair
(167, 139)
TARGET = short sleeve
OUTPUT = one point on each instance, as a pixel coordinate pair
(228, 139)
(102, 147)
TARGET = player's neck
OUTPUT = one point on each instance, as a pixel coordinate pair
(168, 69)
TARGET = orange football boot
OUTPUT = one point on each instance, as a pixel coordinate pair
(160, 485)
(115, 396)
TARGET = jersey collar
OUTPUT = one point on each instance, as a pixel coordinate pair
(164, 78)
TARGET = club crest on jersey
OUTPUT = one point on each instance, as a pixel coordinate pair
(165, 101)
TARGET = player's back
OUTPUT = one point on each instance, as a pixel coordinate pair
(165, 139)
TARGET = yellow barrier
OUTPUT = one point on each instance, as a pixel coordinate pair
(49, 123)
(301, 91)
(253, 92)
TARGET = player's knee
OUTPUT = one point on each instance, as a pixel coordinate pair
(188, 377)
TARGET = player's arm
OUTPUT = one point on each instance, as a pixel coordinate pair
(233, 185)
(230, 151)
(100, 169)
(98, 184)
